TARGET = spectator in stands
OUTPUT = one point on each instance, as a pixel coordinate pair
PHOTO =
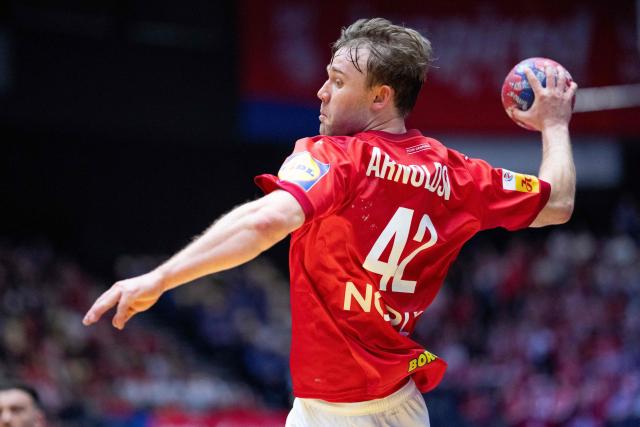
(20, 406)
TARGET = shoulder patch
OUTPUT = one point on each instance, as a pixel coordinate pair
(303, 169)
(519, 182)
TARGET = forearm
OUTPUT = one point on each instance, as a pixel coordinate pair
(203, 256)
(558, 169)
(237, 237)
(234, 239)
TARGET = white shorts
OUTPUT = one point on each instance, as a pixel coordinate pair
(404, 408)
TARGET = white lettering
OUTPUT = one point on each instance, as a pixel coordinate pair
(397, 317)
(445, 189)
(374, 163)
(433, 185)
(427, 176)
(351, 292)
(391, 315)
(437, 181)
(406, 173)
(417, 178)
(389, 165)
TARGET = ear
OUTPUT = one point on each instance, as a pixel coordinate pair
(40, 419)
(382, 97)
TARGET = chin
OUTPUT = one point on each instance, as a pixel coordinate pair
(333, 131)
(324, 130)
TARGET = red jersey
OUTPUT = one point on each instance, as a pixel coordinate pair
(386, 215)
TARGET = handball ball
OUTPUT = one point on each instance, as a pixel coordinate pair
(516, 90)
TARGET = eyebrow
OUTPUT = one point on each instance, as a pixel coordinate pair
(333, 68)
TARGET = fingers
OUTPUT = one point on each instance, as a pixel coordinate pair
(123, 313)
(523, 118)
(106, 301)
(514, 113)
(562, 78)
(533, 81)
(573, 88)
(552, 77)
(103, 304)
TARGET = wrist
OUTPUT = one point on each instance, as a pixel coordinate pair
(555, 126)
(554, 134)
(161, 278)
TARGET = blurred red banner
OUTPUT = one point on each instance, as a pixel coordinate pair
(285, 47)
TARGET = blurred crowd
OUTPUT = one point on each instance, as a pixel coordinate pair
(544, 332)
(98, 375)
(540, 328)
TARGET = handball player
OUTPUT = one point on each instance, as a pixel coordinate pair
(377, 213)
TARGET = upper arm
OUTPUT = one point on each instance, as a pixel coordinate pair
(316, 175)
(503, 198)
(279, 213)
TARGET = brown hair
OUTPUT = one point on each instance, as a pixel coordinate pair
(399, 57)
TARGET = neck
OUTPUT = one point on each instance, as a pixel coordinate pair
(392, 125)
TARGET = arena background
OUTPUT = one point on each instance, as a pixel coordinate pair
(127, 127)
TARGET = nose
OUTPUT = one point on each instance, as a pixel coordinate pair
(5, 418)
(323, 93)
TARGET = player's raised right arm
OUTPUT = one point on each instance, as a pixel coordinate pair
(234, 239)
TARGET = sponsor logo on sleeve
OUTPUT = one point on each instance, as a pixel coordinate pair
(519, 182)
(303, 169)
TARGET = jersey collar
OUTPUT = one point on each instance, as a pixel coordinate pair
(396, 137)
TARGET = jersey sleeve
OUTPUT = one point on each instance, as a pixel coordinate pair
(316, 174)
(504, 198)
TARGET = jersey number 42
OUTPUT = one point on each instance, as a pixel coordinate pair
(397, 231)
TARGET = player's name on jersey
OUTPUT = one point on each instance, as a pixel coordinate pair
(435, 180)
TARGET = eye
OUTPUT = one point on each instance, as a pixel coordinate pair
(339, 83)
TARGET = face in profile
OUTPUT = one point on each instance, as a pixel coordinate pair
(17, 409)
(345, 97)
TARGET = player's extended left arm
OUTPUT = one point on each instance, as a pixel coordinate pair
(234, 239)
(550, 114)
